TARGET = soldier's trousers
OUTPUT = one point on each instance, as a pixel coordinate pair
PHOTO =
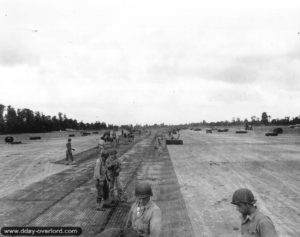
(119, 189)
(111, 184)
(102, 190)
(69, 156)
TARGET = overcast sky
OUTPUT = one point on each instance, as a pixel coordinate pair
(154, 61)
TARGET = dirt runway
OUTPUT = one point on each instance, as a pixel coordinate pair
(210, 167)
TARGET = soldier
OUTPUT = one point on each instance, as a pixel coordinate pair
(121, 196)
(101, 182)
(112, 172)
(115, 138)
(254, 223)
(101, 145)
(69, 155)
(144, 216)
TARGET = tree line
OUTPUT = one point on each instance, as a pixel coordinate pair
(264, 119)
(28, 121)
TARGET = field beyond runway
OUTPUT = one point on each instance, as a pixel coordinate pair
(33, 160)
(210, 167)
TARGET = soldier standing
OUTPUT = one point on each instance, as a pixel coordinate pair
(254, 223)
(121, 196)
(101, 145)
(69, 155)
(100, 178)
(112, 171)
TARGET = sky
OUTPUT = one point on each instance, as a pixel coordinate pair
(145, 62)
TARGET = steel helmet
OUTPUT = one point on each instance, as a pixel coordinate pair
(243, 195)
(143, 190)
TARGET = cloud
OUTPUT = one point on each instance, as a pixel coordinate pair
(149, 62)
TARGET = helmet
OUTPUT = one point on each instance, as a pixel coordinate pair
(143, 190)
(243, 195)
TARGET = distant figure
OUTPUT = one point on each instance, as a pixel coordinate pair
(159, 145)
(113, 134)
(115, 138)
(254, 223)
(69, 155)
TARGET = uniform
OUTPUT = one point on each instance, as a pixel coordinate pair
(101, 145)
(145, 220)
(101, 182)
(258, 225)
(112, 172)
(69, 155)
(117, 184)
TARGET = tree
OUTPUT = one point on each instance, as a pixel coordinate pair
(2, 124)
(264, 118)
(11, 120)
(253, 119)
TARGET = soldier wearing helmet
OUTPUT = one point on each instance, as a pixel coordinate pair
(144, 216)
(254, 223)
(69, 155)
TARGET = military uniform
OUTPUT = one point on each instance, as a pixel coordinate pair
(101, 145)
(145, 220)
(258, 225)
(69, 155)
(112, 172)
(101, 182)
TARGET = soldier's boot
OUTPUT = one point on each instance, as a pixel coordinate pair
(111, 202)
(99, 205)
